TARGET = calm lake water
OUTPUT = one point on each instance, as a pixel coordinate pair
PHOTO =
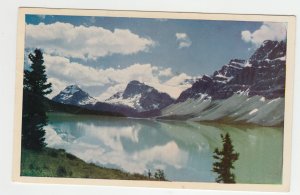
(182, 149)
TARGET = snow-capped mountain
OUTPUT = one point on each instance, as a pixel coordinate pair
(263, 74)
(243, 90)
(75, 96)
(212, 85)
(250, 91)
(141, 97)
(269, 50)
(137, 100)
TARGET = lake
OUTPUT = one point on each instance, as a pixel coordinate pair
(182, 149)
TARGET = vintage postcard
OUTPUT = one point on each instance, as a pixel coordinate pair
(154, 99)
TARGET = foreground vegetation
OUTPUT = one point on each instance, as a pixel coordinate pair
(58, 163)
(36, 159)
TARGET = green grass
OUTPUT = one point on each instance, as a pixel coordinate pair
(58, 163)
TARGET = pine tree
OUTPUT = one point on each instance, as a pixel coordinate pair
(34, 117)
(225, 159)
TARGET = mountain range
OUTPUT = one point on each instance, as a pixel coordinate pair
(243, 90)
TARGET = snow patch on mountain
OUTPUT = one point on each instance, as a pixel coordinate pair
(71, 89)
(88, 100)
(283, 58)
(133, 102)
(253, 111)
(74, 95)
(141, 97)
(238, 108)
(247, 64)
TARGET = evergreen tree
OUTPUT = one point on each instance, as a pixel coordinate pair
(225, 159)
(34, 117)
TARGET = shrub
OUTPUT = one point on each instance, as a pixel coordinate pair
(160, 175)
(61, 171)
(53, 153)
(70, 156)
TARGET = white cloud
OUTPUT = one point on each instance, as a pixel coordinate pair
(181, 36)
(68, 72)
(178, 79)
(92, 19)
(42, 17)
(62, 72)
(73, 72)
(246, 35)
(57, 86)
(83, 42)
(165, 72)
(268, 31)
(174, 86)
(111, 91)
(183, 40)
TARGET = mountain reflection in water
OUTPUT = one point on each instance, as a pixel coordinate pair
(182, 149)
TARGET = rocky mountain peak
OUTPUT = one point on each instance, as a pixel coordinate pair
(135, 87)
(74, 95)
(141, 97)
(263, 74)
(71, 89)
(269, 50)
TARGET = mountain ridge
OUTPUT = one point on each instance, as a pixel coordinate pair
(248, 91)
(260, 74)
(236, 92)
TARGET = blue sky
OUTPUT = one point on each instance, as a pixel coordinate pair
(169, 49)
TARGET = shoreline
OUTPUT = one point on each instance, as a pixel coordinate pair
(225, 121)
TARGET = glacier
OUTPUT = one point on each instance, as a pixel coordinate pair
(239, 108)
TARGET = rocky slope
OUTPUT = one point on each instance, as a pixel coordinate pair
(242, 91)
(75, 96)
(263, 74)
(141, 97)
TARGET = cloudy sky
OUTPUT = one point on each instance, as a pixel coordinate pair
(103, 54)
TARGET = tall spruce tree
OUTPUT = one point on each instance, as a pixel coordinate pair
(34, 117)
(225, 159)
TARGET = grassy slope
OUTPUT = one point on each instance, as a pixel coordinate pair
(57, 163)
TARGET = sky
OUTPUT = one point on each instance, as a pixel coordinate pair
(103, 54)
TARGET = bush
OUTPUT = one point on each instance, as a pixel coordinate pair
(61, 171)
(70, 156)
(53, 153)
(61, 151)
(160, 175)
